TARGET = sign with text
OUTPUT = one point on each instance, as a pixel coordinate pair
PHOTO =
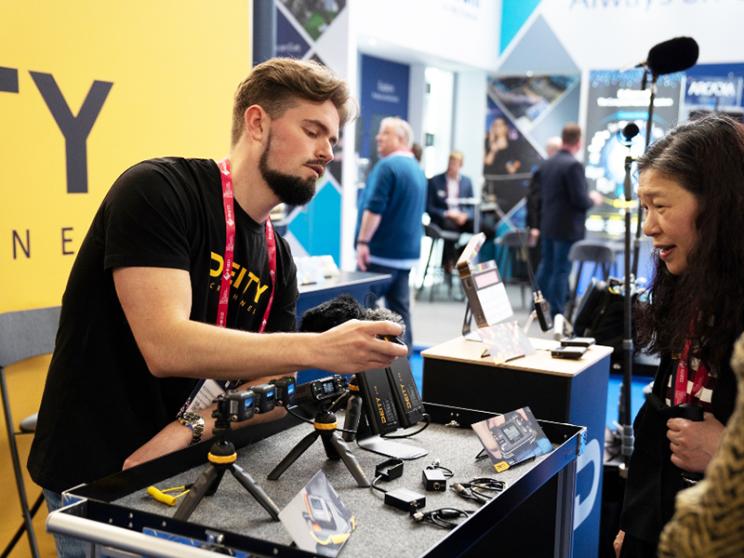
(92, 89)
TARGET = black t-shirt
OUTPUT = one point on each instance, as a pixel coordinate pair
(100, 401)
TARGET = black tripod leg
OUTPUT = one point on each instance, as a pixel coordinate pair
(292, 456)
(208, 478)
(330, 450)
(256, 491)
(349, 460)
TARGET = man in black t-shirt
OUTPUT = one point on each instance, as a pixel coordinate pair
(137, 329)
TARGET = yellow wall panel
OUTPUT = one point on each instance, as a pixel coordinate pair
(172, 66)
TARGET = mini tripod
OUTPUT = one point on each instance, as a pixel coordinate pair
(222, 457)
(324, 426)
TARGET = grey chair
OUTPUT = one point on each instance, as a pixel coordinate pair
(24, 334)
(603, 254)
(515, 272)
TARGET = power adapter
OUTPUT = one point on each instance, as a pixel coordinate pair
(434, 480)
(404, 499)
(389, 469)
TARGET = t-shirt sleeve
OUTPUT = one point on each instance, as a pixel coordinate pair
(146, 221)
(380, 185)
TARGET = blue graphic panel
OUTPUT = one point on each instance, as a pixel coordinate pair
(288, 41)
(513, 15)
(383, 92)
(318, 225)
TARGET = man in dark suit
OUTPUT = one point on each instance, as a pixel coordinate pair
(443, 204)
(564, 201)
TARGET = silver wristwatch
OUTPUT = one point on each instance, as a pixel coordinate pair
(194, 422)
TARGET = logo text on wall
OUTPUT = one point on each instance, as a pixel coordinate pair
(75, 130)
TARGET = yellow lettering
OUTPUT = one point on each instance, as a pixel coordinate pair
(239, 280)
(218, 259)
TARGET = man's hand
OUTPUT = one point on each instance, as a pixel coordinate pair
(694, 443)
(357, 345)
(533, 238)
(456, 216)
(617, 544)
(596, 197)
(362, 256)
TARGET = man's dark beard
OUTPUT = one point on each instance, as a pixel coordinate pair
(290, 189)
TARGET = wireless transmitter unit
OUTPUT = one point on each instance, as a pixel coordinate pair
(378, 401)
(408, 402)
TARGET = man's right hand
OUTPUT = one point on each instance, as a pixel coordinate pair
(355, 346)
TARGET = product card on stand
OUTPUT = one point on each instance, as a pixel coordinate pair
(316, 518)
(512, 438)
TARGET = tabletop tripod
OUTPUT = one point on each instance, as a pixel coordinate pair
(324, 426)
(222, 457)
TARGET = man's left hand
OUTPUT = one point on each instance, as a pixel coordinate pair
(362, 256)
(694, 443)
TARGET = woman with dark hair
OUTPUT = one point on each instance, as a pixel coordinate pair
(692, 189)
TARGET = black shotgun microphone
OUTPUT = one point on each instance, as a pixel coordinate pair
(672, 56)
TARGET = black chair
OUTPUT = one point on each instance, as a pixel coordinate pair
(600, 252)
(438, 236)
(24, 334)
(515, 272)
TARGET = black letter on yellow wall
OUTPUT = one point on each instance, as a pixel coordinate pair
(8, 80)
(18, 242)
(75, 129)
(66, 241)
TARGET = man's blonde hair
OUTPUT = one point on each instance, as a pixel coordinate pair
(277, 84)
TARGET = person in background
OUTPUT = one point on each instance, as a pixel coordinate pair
(418, 152)
(388, 231)
(500, 156)
(143, 322)
(691, 187)
(564, 201)
(552, 146)
(444, 205)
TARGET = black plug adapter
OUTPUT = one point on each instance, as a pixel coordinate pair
(434, 480)
(389, 469)
(404, 499)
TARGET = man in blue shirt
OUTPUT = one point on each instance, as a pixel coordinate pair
(388, 237)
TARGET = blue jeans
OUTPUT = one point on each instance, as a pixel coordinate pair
(553, 272)
(67, 547)
(397, 295)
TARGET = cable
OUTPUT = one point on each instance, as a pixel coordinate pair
(447, 472)
(291, 411)
(374, 485)
(477, 489)
(441, 517)
(427, 421)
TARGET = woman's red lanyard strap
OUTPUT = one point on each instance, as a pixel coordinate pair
(680, 382)
(228, 203)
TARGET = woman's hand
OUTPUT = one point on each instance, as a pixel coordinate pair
(694, 443)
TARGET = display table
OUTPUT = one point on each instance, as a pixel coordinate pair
(572, 391)
(114, 512)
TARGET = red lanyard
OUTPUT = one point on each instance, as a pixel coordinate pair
(228, 202)
(680, 382)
